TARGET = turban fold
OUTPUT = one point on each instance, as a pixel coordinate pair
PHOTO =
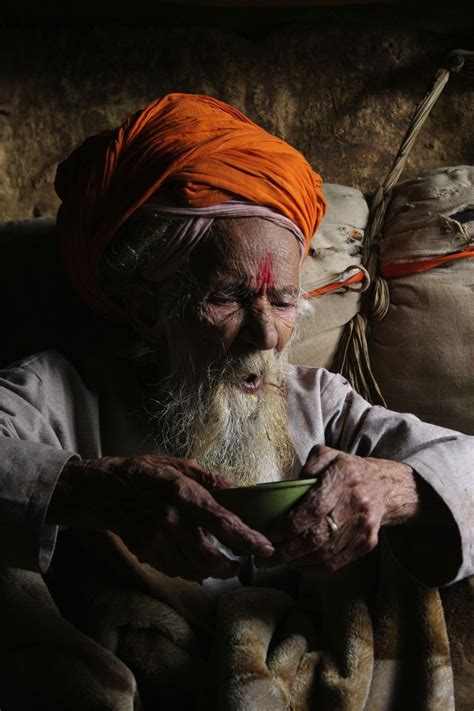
(195, 223)
(184, 150)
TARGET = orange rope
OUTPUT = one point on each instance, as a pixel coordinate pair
(397, 269)
(360, 276)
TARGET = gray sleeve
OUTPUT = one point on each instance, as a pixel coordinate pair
(443, 458)
(33, 450)
(28, 475)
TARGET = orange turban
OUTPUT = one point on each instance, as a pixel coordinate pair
(197, 151)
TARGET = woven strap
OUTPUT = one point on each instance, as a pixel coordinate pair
(352, 358)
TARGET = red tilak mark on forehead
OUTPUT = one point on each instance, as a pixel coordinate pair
(265, 278)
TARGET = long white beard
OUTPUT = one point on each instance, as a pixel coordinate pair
(239, 435)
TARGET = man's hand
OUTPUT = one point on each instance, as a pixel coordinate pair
(162, 510)
(339, 519)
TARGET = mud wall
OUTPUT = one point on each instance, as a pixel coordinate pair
(340, 84)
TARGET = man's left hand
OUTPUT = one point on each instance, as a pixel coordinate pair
(339, 519)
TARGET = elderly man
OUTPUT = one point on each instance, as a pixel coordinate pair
(189, 224)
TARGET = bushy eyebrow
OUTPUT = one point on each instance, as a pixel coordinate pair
(242, 291)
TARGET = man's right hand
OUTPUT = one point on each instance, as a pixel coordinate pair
(162, 510)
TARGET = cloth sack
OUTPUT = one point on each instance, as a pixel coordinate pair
(332, 277)
(422, 351)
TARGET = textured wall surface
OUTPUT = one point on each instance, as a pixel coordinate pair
(338, 85)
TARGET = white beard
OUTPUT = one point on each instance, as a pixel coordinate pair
(226, 430)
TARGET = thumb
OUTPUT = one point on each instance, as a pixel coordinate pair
(319, 459)
(204, 477)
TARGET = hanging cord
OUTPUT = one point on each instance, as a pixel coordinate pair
(352, 359)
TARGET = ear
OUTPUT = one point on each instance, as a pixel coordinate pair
(140, 303)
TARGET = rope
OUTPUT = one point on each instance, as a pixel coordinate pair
(340, 284)
(418, 266)
(352, 358)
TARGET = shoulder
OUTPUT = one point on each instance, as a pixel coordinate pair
(44, 372)
(42, 366)
(315, 398)
(305, 379)
(41, 362)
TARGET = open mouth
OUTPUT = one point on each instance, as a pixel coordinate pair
(250, 383)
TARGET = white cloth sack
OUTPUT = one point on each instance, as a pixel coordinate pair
(335, 255)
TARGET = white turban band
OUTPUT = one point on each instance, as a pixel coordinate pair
(173, 249)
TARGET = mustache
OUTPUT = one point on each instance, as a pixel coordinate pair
(267, 365)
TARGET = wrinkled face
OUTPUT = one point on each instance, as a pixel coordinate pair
(219, 329)
(247, 274)
(241, 294)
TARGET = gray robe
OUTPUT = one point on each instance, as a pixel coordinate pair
(49, 413)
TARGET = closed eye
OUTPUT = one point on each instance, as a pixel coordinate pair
(219, 298)
(280, 299)
(283, 299)
(283, 304)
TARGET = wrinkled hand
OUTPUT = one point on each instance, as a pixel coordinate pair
(359, 494)
(162, 510)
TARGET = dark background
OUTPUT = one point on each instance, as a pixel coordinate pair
(338, 82)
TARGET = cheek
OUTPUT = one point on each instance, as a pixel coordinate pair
(220, 324)
(285, 324)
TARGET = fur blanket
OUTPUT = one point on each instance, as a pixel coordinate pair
(368, 638)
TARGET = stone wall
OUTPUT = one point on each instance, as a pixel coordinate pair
(338, 84)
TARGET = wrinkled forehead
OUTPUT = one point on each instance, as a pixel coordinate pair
(248, 249)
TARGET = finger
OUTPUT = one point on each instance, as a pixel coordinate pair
(163, 554)
(181, 548)
(203, 554)
(311, 509)
(319, 539)
(213, 561)
(361, 545)
(194, 503)
(318, 459)
(231, 530)
(187, 467)
(241, 539)
(355, 541)
(204, 477)
(304, 544)
(203, 558)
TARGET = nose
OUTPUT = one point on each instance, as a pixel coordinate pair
(259, 328)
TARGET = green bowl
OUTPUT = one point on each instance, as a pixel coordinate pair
(258, 506)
